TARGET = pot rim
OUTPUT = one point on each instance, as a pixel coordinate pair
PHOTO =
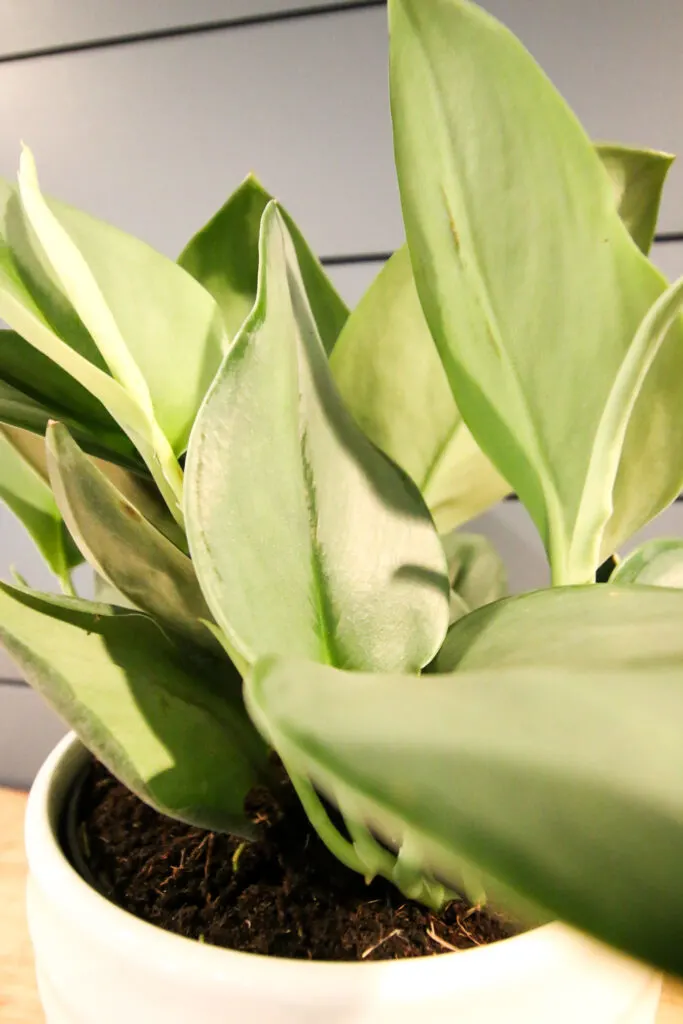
(118, 929)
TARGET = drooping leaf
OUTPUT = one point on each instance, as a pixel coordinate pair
(389, 373)
(305, 538)
(637, 177)
(475, 569)
(223, 256)
(589, 627)
(530, 283)
(656, 563)
(167, 720)
(27, 494)
(560, 786)
(121, 545)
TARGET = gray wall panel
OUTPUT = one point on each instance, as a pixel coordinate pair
(28, 731)
(669, 258)
(618, 63)
(28, 25)
(154, 136)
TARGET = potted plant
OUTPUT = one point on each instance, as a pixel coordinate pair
(257, 476)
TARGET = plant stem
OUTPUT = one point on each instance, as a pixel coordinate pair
(342, 849)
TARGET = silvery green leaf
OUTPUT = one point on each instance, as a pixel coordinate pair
(305, 538)
(533, 290)
(657, 563)
(559, 786)
(388, 372)
(166, 719)
(592, 627)
(121, 544)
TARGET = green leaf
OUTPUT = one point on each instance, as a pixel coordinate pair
(30, 447)
(657, 563)
(166, 719)
(560, 786)
(388, 370)
(643, 412)
(223, 256)
(530, 283)
(591, 627)
(19, 307)
(390, 376)
(305, 538)
(121, 545)
(637, 177)
(27, 369)
(475, 570)
(159, 333)
(25, 491)
(40, 379)
(141, 492)
(18, 410)
(106, 594)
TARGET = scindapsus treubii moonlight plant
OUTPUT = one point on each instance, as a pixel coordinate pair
(263, 480)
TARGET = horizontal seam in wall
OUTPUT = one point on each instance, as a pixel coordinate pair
(14, 683)
(353, 258)
(155, 35)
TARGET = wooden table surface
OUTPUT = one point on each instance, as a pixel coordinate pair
(18, 999)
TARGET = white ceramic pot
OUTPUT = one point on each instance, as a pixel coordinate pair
(97, 964)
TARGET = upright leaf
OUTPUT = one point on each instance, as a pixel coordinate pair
(167, 720)
(305, 538)
(18, 307)
(637, 177)
(560, 786)
(657, 563)
(25, 491)
(223, 256)
(159, 333)
(531, 286)
(590, 627)
(21, 305)
(645, 408)
(388, 372)
(121, 545)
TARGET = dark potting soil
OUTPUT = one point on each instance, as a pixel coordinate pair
(282, 895)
